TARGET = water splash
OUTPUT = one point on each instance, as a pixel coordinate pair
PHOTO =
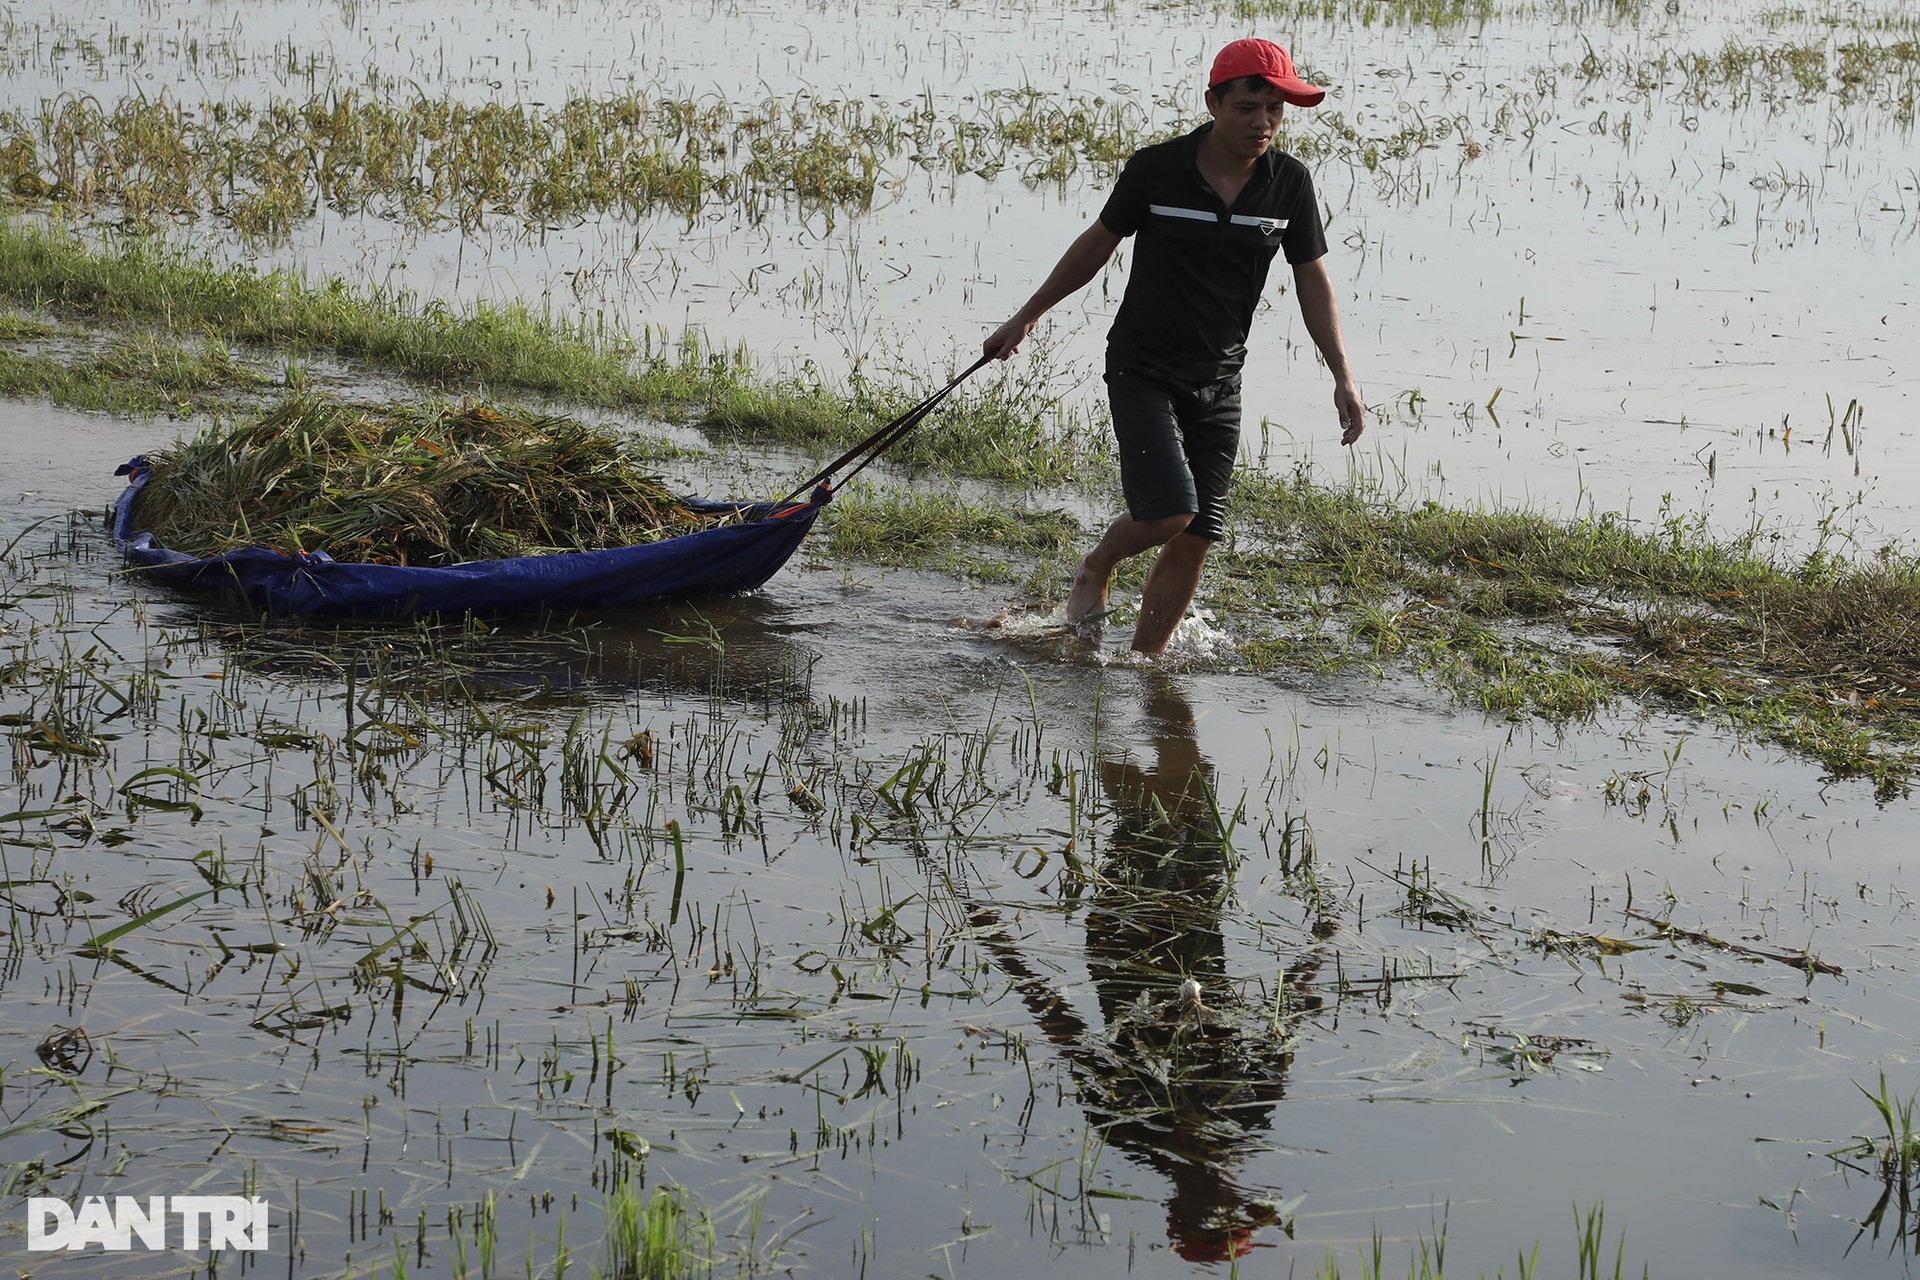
(1196, 642)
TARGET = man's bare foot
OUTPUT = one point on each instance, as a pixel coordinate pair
(1087, 601)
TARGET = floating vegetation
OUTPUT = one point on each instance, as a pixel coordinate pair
(422, 486)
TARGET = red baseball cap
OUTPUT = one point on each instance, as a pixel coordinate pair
(1256, 57)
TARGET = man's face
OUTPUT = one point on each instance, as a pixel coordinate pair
(1245, 119)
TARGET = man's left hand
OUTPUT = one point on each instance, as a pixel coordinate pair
(1352, 410)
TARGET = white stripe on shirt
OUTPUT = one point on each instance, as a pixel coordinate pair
(1174, 211)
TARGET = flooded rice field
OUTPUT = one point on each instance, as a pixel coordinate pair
(834, 931)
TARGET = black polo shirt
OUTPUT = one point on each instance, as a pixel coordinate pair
(1199, 266)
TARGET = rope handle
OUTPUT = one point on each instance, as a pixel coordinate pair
(886, 437)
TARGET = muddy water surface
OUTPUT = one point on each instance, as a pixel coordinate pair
(908, 999)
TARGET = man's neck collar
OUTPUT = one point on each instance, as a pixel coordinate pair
(1199, 136)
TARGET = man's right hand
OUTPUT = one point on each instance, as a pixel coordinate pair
(1081, 262)
(1004, 341)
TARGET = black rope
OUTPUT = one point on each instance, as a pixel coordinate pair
(886, 437)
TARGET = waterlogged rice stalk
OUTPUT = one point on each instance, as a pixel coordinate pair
(388, 150)
(1370, 13)
(1894, 1158)
(436, 163)
(1899, 1151)
(679, 870)
(419, 161)
(424, 486)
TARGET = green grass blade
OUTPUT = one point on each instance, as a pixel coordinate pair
(102, 941)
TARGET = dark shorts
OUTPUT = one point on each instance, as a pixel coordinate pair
(1177, 448)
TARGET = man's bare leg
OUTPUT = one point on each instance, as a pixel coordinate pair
(1124, 538)
(1170, 587)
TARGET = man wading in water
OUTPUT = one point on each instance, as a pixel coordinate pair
(1211, 209)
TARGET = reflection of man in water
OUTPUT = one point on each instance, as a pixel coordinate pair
(1182, 1079)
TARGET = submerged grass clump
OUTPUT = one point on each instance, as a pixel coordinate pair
(422, 486)
(945, 530)
(128, 283)
(18, 326)
(139, 374)
(657, 1237)
(1518, 613)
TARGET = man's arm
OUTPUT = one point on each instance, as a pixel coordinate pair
(1090, 251)
(1321, 311)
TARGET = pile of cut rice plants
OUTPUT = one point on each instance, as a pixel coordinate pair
(413, 485)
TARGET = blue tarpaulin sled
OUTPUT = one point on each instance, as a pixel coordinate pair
(721, 561)
(725, 560)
